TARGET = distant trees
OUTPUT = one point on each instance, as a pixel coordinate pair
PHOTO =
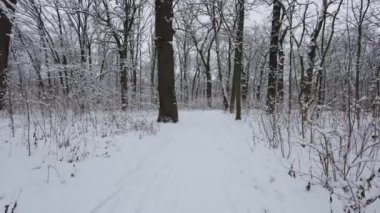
(168, 111)
(359, 11)
(211, 26)
(217, 22)
(122, 33)
(79, 54)
(184, 46)
(203, 37)
(7, 9)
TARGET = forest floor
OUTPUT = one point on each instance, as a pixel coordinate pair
(206, 163)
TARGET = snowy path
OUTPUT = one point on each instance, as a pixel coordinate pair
(191, 173)
(203, 164)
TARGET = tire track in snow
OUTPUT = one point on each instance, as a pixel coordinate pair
(127, 179)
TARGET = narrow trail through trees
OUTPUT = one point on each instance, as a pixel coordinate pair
(207, 162)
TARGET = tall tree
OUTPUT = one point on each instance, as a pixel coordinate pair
(238, 62)
(168, 111)
(184, 46)
(6, 14)
(363, 9)
(306, 84)
(216, 25)
(204, 49)
(273, 51)
(326, 40)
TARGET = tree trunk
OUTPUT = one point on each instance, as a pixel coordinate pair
(184, 81)
(208, 86)
(307, 77)
(152, 73)
(259, 85)
(123, 79)
(5, 31)
(238, 62)
(168, 111)
(290, 76)
(357, 72)
(233, 93)
(216, 26)
(362, 13)
(220, 74)
(273, 51)
(280, 70)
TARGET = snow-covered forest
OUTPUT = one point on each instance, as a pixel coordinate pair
(190, 106)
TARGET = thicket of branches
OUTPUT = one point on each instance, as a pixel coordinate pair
(308, 55)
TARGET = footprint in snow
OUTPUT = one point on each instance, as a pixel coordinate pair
(272, 179)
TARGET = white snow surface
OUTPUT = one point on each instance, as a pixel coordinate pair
(206, 163)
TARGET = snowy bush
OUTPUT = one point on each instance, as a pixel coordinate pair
(334, 150)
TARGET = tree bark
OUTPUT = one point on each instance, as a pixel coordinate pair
(152, 73)
(280, 69)
(5, 31)
(123, 79)
(307, 77)
(273, 51)
(238, 62)
(168, 111)
(362, 12)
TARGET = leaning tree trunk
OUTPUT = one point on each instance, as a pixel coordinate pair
(5, 30)
(164, 36)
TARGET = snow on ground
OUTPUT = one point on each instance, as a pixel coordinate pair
(206, 163)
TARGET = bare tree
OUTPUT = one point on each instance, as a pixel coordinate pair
(306, 98)
(359, 15)
(216, 20)
(121, 37)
